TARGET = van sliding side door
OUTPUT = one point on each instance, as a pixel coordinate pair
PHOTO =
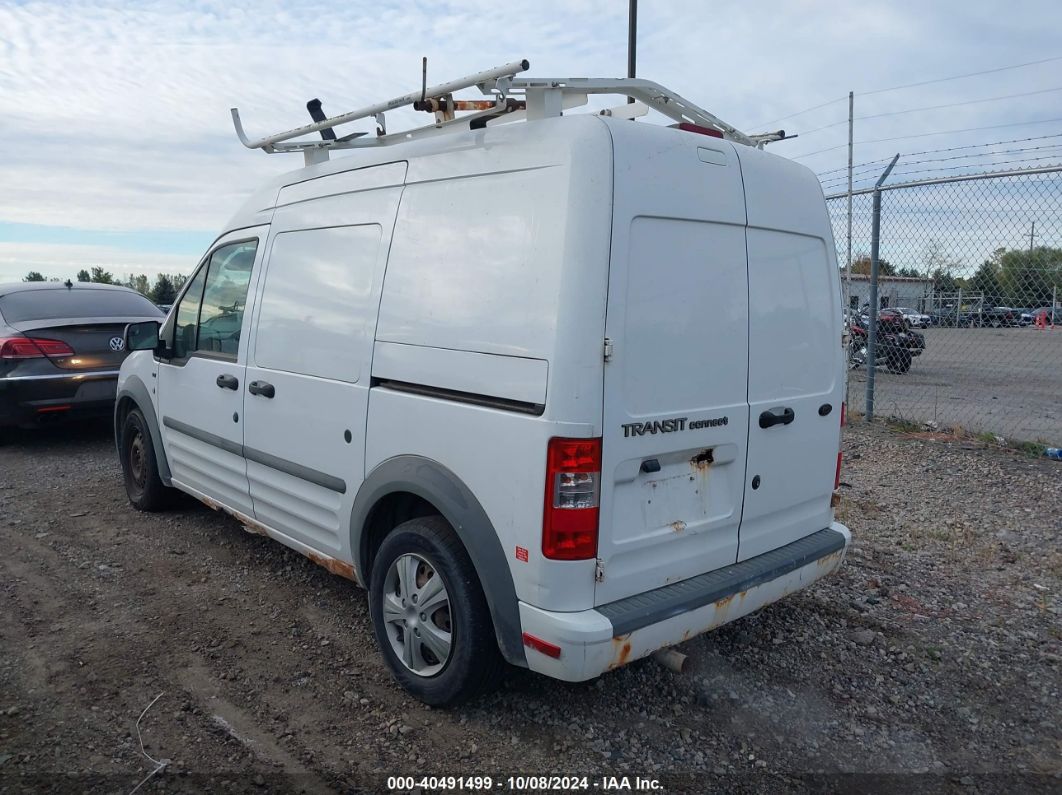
(308, 375)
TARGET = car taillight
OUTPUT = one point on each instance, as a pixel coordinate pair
(32, 348)
(573, 491)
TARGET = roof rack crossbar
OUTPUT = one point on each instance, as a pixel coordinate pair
(482, 79)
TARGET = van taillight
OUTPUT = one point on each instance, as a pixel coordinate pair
(837, 475)
(573, 492)
(31, 348)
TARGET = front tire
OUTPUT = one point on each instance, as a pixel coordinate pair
(140, 468)
(430, 616)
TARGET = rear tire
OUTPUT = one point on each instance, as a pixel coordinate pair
(448, 653)
(144, 487)
(899, 361)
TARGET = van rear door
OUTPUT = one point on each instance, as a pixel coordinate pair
(675, 418)
(796, 363)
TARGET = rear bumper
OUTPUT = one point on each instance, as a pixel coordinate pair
(607, 637)
(30, 399)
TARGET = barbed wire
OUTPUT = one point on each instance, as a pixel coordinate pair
(1002, 173)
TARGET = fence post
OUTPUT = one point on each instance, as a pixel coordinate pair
(872, 320)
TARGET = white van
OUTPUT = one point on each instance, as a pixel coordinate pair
(558, 393)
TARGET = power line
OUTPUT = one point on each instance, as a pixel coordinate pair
(798, 113)
(910, 85)
(805, 133)
(924, 135)
(960, 77)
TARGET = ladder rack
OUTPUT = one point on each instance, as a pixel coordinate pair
(509, 96)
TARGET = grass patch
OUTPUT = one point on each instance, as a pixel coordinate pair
(903, 426)
(1031, 449)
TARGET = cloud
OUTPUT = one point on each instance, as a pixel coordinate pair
(115, 115)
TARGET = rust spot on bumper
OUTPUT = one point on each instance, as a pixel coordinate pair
(621, 648)
(678, 525)
(724, 603)
(833, 559)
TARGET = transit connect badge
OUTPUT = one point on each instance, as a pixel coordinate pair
(671, 425)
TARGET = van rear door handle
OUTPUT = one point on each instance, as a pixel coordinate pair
(227, 381)
(769, 418)
(263, 388)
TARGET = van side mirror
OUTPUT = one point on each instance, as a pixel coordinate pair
(142, 336)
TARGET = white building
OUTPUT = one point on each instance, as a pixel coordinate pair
(907, 291)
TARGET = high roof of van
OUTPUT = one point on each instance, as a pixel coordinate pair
(536, 144)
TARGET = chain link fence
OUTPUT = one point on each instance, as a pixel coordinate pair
(969, 330)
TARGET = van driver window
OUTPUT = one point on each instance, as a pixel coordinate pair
(188, 316)
(224, 298)
(210, 314)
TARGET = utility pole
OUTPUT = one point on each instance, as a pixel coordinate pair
(1032, 236)
(872, 323)
(632, 41)
(848, 262)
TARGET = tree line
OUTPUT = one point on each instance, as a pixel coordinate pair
(162, 291)
(1014, 277)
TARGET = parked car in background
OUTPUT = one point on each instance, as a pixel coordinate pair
(61, 345)
(914, 318)
(952, 317)
(1000, 316)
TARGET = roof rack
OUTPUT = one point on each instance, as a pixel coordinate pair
(510, 99)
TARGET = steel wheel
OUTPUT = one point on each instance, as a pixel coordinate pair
(416, 614)
(138, 460)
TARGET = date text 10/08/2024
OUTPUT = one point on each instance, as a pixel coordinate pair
(525, 783)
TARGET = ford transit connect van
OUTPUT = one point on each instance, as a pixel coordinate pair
(557, 393)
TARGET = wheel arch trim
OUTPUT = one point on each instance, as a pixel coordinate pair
(436, 484)
(133, 389)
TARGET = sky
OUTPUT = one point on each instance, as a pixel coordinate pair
(117, 149)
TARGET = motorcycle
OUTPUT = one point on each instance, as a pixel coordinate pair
(895, 346)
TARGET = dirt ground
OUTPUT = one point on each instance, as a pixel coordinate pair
(930, 663)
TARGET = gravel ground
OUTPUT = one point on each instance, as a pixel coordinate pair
(1006, 381)
(936, 651)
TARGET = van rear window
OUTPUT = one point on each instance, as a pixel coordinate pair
(73, 303)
